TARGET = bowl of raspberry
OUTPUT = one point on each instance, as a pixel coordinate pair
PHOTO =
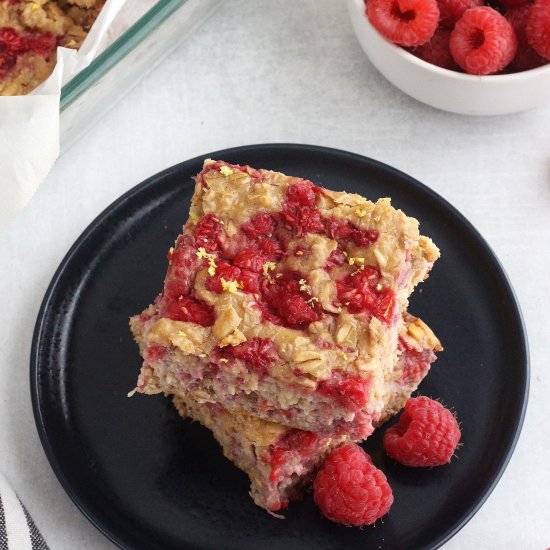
(460, 56)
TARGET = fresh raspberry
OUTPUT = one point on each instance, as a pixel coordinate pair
(483, 42)
(451, 10)
(349, 489)
(404, 22)
(261, 225)
(526, 57)
(427, 434)
(538, 28)
(351, 391)
(361, 292)
(209, 233)
(437, 51)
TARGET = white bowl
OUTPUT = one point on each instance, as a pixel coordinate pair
(445, 89)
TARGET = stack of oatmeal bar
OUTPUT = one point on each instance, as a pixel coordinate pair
(282, 325)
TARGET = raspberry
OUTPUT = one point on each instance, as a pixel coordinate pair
(483, 42)
(181, 270)
(510, 4)
(300, 194)
(189, 309)
(11, 42)
(260, 225)
(209, 233)
(361, 292)
(287, 303)
(7, 63)
(350, 391)
(416, 366)
(427, 434)
(526, 57)
(296, 444)
(349, 489)
(344, 231)
(249, 258)
(437, 51)
(538, 28)
(404, 22)
(42, 43)
(257, 352)
(335, 259)
(154, 352)
(224, 271)
(451, 10)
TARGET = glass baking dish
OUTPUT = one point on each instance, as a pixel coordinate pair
(92, 92)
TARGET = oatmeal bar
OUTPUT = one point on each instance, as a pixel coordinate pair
(284, 300)
(281, 461)
(31, 30)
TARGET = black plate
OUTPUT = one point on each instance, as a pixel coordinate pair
(148, 480)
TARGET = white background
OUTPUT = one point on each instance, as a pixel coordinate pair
(286, 71)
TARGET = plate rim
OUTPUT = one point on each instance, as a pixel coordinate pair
(474, 507)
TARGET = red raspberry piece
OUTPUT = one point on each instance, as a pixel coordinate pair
(483, 42)
(451, 10)
(209, 233)
(538, 28)
(300, 194)
(7, 63)
(249, 258)
(261, 225)
(335, 259)
(526, 57)
(41, 43)
(11, 42)
(271, 248)
(437, 51)
(350, 391)
(287, 303)
(250, 281)
(360, 292)
(189, 309)
(344, 231)
(257, 352)
(427, 434)
(404, 22)
(182, 263)
(349, 489)
(154, 352)
(224, 271)
(297, 444)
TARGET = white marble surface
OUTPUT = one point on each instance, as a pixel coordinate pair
(285, 71)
